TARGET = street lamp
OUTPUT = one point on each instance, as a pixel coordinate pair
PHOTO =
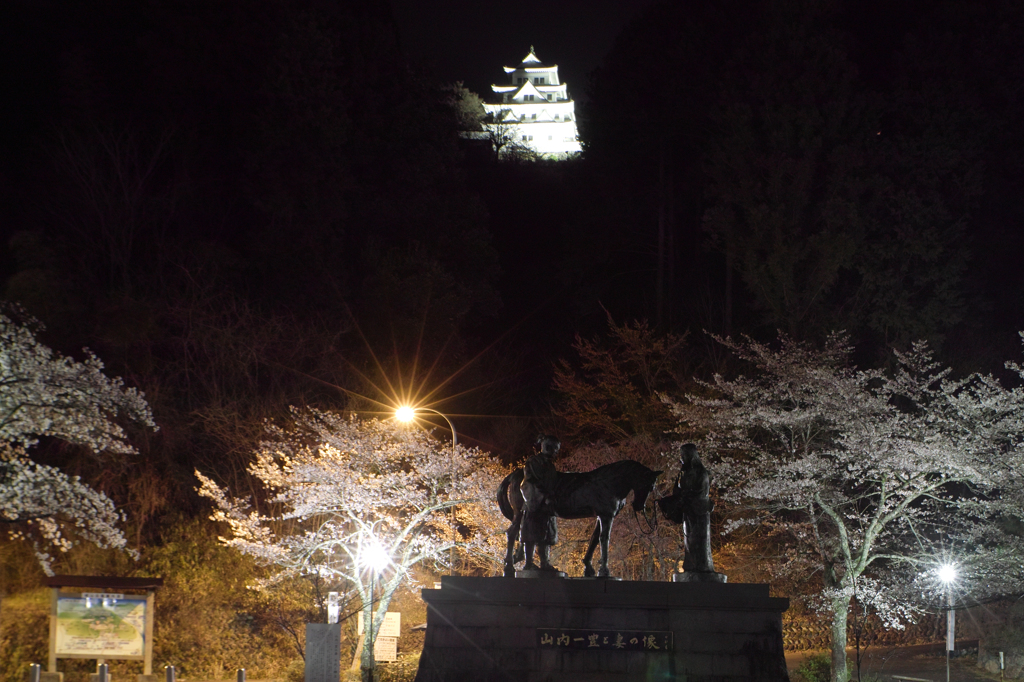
(407, 413)
(947, 575)
(374, 557)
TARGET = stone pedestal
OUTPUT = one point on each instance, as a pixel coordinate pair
(539, 574)
(699, 577)
(498, 629)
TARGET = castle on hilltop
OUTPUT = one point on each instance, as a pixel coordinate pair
(534, 112)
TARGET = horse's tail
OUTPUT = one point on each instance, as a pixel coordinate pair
(503, 503)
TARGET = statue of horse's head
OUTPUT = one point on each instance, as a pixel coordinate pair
(548, 445)
(644, 488)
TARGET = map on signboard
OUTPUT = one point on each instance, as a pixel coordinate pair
(101, 626)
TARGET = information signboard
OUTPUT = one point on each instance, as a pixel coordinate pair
(385, 649)
(391, 627)
(100, 625)
(323, 652)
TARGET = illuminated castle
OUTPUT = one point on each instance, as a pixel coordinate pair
(534, 112)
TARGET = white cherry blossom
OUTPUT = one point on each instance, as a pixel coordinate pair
(868, 476)
(45, 394)
(338, 484)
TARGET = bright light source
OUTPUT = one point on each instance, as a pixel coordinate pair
(373, 556)
(947, 573)
(405, 413)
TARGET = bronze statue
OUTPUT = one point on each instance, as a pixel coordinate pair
(690, 504)
(539, 528)
(600, 493)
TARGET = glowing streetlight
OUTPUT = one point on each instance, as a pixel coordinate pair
(407, 413)
(947, 573)
(947, 576)
(374, 557)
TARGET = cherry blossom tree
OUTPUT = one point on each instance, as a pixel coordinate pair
(341, 486)
(43, 393)
(867, 475)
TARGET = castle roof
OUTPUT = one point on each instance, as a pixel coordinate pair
(530, 63)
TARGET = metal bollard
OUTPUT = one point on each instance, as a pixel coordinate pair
(35, 671)
(241, 675)
(169, 672)
(103, 671)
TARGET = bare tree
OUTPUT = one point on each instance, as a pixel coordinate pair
(507, 138)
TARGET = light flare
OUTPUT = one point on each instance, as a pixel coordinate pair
(372, 555)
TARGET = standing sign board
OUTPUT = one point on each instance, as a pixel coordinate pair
(323, 652)
(100, 621)
(391, 627)
(385, 644)
(385, 649)
(101, 625)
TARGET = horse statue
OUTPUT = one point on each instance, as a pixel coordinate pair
(600, 493)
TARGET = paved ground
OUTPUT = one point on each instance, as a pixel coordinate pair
(925, 662)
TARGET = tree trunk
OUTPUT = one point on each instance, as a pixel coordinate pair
(366, 663)
(368, 666)
(840, 611)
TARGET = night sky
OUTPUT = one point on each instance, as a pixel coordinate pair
(471, 41)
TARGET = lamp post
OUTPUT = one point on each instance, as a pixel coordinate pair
(373, 557)
(947, 574)
(406, 413)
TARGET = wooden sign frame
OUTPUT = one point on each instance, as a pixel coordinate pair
(101, 584)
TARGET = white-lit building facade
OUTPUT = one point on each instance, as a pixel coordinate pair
(534, 110)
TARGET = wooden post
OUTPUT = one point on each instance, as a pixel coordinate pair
(147, 663)
(51, 663)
